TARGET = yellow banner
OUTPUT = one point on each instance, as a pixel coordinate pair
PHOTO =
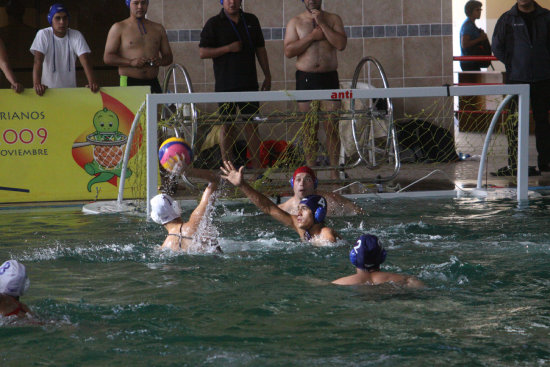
(67, 144)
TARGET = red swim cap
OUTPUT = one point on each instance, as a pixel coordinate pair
(304, 169)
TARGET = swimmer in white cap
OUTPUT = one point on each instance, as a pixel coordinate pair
(304, 183)
(366, 256)
(308, 223)
(166, 211)
(13, 284)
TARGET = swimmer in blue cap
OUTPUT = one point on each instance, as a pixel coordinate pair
(308, 223)
(55, 50)
(366, 256)
(138, 46)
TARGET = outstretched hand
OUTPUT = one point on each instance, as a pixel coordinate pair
(231, 174)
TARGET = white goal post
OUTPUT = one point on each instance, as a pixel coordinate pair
(521, 90)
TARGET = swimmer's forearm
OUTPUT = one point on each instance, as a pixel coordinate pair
(116, 60)
(338, 40)
(298, 47)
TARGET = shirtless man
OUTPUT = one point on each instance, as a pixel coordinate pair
(367, 256)
(313, 37)
(138, 47)
(309, 221)
(166, 211)
(304, 183)
(13, 284)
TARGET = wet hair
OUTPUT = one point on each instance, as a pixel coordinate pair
(471, 6)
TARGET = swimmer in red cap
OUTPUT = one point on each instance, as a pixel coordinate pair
(366, 256)
(304, 183)
(309, 221)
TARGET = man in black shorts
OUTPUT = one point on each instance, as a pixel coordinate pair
(234, 39)
(314, 37)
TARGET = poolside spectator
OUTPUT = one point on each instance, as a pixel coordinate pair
(138, 47)
(314, 37)
(304, 183)
(55, 50)
(473, 40)
(13, 284)
(166, 211)
(5, 67)
(234, 40)
(367, 256)
(308, 223)
(521, 42)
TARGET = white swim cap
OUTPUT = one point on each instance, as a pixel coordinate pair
(164, 209)
(13, 278)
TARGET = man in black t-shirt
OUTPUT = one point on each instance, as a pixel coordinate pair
(233, 39)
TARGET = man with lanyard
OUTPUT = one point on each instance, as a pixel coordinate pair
(55, 49)
(521, 40)
(138, 47)
(234, 39)
(309, 221)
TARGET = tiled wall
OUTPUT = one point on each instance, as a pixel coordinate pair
(411, 38)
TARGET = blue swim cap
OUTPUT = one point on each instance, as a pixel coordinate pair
(56, 8)
(367, 253)
(318, 206)
(129, 1)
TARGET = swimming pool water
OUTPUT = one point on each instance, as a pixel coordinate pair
(107, 296)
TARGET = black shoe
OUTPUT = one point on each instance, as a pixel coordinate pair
(505, 171)
(509, 171)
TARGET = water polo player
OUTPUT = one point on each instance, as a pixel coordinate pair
(13, 284)
(309, 221)
(304, 183)
(183, 236)
(366, 256)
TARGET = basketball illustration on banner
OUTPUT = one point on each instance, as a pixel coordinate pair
(169, 151)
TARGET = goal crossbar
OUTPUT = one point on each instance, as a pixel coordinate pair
(520, 90)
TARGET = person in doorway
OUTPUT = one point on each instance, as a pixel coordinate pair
(304, 183)
(521, 40)
(473, 40)
(138, 47)
(13, 284)
(314, 37)
(233, 39)
(367, 256)
(5, 68)
(55, 50)
(309, 221)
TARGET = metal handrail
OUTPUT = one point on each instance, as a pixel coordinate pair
(391, 137)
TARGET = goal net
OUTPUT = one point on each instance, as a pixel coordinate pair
(379, 137)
